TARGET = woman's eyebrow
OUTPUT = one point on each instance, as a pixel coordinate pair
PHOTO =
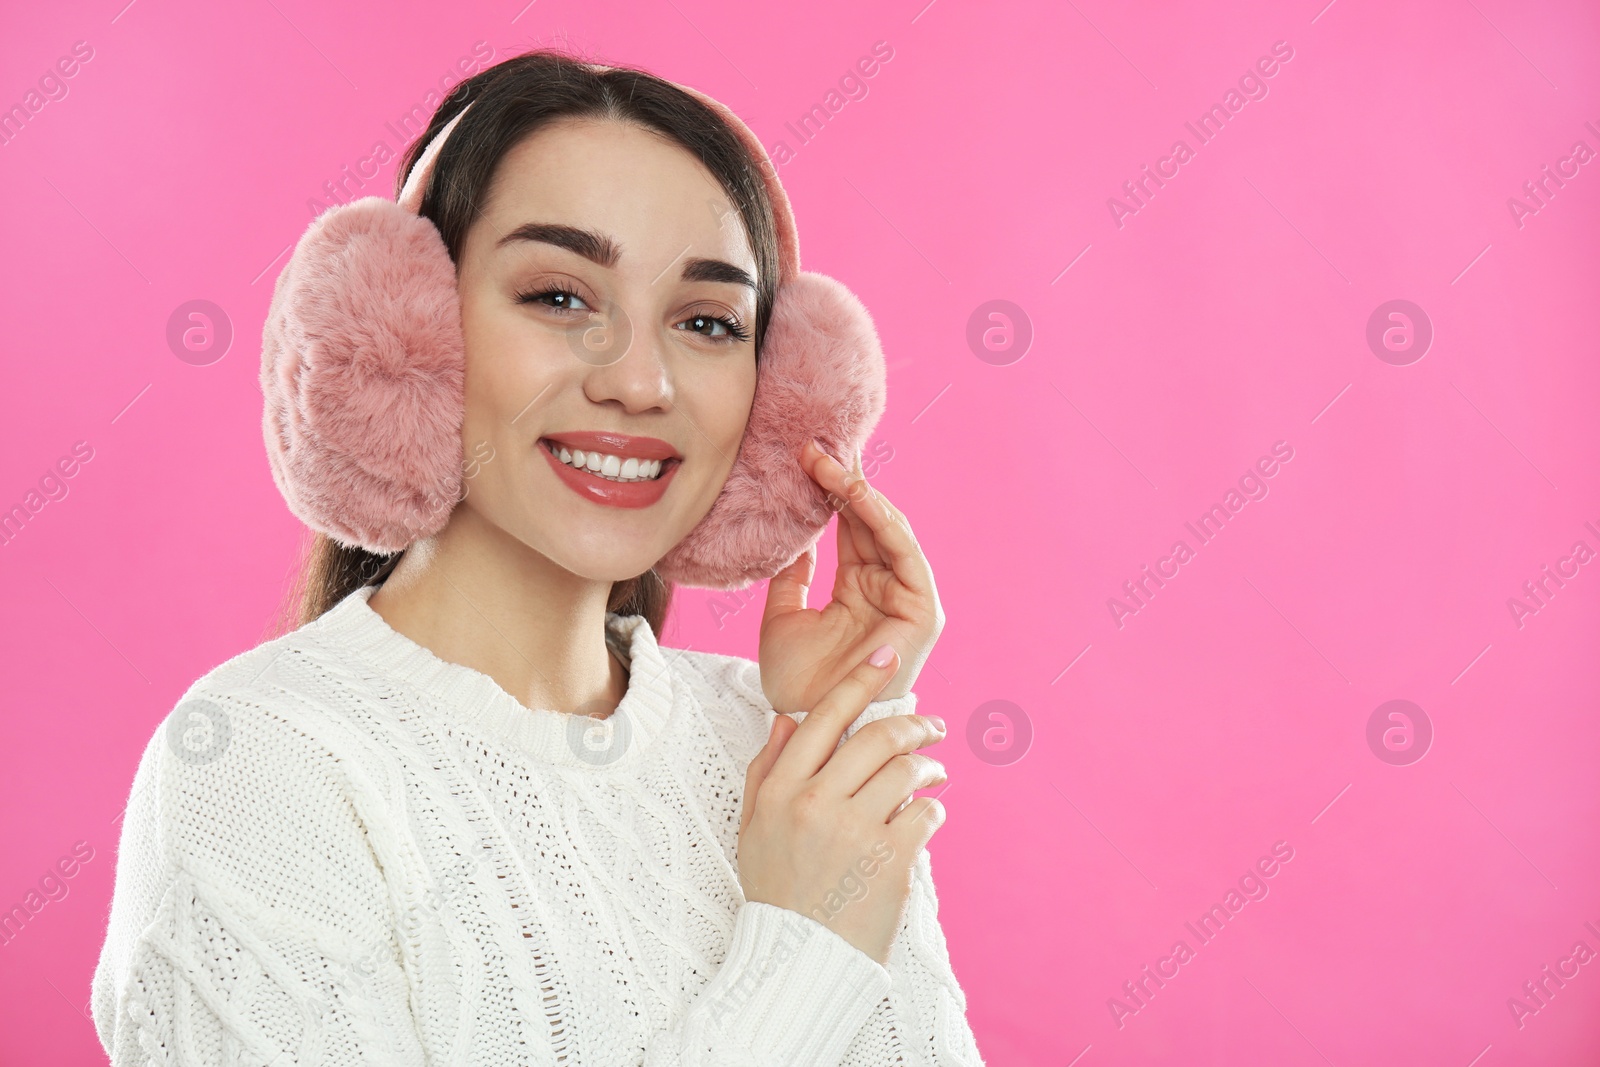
(715, 270)
(596, 247)
(601, 249)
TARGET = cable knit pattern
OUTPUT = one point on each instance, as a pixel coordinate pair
(341, 849)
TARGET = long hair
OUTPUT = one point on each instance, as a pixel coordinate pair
(511, 101)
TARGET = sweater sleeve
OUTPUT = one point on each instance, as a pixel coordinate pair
(789, 993)
(923, 1019)
(250, 922)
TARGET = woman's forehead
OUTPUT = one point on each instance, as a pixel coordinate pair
(645, 192)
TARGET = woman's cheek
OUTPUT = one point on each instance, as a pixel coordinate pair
(733, 383)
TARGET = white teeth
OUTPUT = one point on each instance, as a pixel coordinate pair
(612, 468)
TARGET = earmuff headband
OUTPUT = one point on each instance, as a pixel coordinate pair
(363, 368)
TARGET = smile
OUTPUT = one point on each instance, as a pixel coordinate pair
(612, 469)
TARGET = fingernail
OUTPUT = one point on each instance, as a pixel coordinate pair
(938, 723)
(818, 446)
(882, 656)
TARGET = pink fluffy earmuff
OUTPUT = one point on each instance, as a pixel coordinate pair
(363, 369)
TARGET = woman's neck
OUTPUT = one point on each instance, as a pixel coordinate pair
(473, 595)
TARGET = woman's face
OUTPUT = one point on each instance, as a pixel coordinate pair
(603, 292)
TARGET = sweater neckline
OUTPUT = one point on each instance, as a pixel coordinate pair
(471, 697)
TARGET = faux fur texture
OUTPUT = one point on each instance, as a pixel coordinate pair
(362, 375)
(822, 375)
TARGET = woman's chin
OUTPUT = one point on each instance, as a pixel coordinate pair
(611, 566)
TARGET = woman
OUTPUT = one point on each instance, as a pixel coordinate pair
(470, 811)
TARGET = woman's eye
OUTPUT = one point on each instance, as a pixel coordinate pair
(716, 326)
(561, 299)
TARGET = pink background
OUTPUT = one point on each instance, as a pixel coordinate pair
(1228, 313)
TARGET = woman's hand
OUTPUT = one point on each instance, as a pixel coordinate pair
(831, 830)
(883, 593)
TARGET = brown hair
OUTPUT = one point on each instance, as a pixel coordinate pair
(511, 101)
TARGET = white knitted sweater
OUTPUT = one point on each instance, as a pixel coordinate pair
(341, 849)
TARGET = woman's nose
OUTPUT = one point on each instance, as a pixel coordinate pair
(626, 363)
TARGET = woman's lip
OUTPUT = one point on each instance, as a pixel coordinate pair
(598, 490)
(621, 445)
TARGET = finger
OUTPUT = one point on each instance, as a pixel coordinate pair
(864, 545)
(826, 472)
(861, 475)
(841, 484)
(861, 760)
(756, 773)
(894, 512)
(918, 820)
(787, 590)
(891, 536)
(817, 738)
(892, 787)
(777, 736)
(846, 553)
(857, 488)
